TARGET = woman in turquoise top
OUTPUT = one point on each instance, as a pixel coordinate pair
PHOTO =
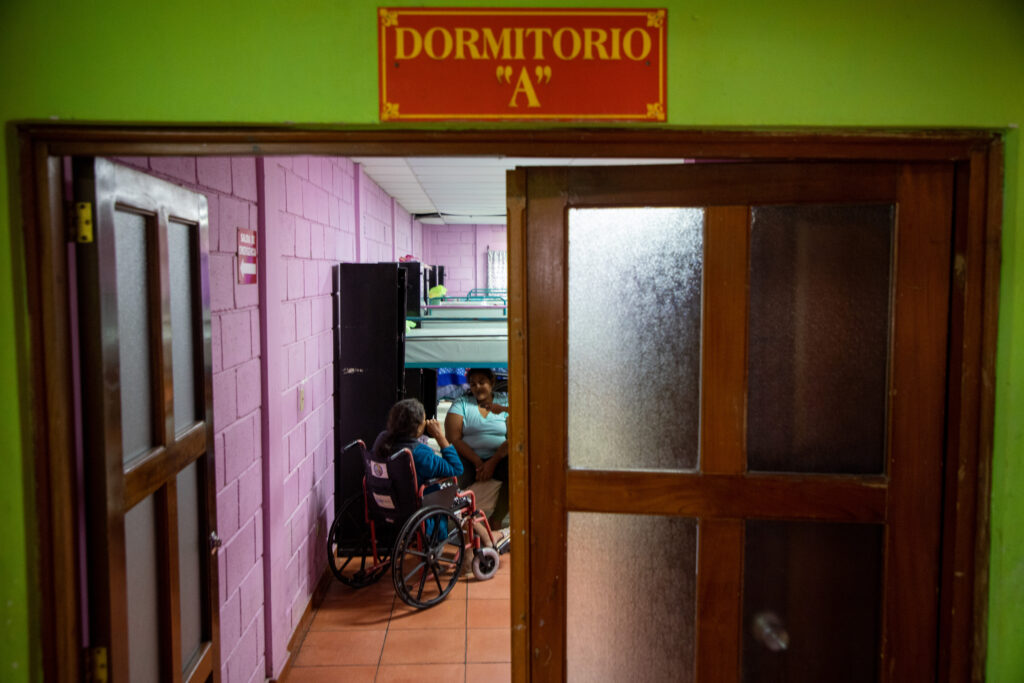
(476, 426)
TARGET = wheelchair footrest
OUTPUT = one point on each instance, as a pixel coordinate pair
(503, 545)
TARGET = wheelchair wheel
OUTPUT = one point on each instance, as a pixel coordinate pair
(349, 551)
(428, 557)
(485, 564)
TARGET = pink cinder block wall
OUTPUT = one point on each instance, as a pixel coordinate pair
(462, 250)
(274, 456)
(230, 187)
(316, 212)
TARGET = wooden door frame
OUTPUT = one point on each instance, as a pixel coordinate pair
(38, 230)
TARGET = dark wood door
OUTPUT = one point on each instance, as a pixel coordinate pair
(144, 331)
(735, 387)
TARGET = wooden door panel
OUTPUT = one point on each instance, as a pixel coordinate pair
(168, 336)
(723, 494)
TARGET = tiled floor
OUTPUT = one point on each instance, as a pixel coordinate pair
(371, 635)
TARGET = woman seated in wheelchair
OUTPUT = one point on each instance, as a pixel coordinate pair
(427, 533)
(407, 421)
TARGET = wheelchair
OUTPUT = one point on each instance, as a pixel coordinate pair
(420, 532)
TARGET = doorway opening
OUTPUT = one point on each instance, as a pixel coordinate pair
(960, 530)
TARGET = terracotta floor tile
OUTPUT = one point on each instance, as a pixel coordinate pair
(425, 646)
(340, 648)
(498, 587)
(421, 673)
(384, 588)
(489, 645)
(496, 613)
(460, 590)
(331, 674)
(448, 614)
(367, 615)
(488, 673)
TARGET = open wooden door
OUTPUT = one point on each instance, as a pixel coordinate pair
(735, 390)
(144, 331)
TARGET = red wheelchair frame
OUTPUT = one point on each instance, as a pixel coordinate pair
(420, 532)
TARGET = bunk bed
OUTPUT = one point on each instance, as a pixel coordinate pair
(462, 332)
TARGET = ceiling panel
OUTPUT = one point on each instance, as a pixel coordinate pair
(439, 190)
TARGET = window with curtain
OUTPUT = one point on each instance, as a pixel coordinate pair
(497, 269)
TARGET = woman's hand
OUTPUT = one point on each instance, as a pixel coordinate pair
(485, 470)
(434, 431)
(453, 430)
(495, 408)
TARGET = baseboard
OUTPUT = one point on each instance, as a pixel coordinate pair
(299, 635)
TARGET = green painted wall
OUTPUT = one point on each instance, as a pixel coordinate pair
(874, 63)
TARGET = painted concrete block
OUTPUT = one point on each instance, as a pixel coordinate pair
(225, 408)
(290, 496)
(326, 345)
(300, 166)
(243, 177)
(303, 318)
(239, 448)
(180, 168)
(287, 322)
(312, 360)
(227, 510)
(247, 382)
(309, 277)
(250, 491)
(254, 323)
(250, 594)
(236, 337)
(299, 526)
(334, 212)
(241, 555)
(286, 224)
(245, 656)
(295, 284)
(246, 296)
(234, 214)
(347, 247)
(302, 237)
(214, 172)
(296, 362)
(316, 240)
(293, 194)
(316, 170)
(296, 449)
(222, 276)
(230, 624)
(289, 409)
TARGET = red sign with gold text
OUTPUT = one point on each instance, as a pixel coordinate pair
(527, 64)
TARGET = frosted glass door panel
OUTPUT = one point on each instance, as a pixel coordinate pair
(812, 602)
(189, 563)
(634, 337)
(183, 351)
(818, 338)
(630, 603)
(131, 249)
(142, 588)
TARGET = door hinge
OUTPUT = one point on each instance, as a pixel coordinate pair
(82, 223)
(96, 664)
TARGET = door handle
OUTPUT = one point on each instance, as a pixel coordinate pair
(215, 541)
(769, 630)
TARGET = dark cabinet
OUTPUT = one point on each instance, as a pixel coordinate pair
(369, 359)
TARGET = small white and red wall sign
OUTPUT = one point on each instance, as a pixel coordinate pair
(246, 257)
